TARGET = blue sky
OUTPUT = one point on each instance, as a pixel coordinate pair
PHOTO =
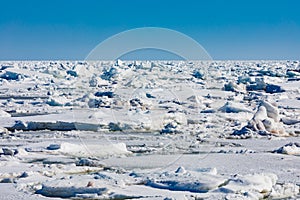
(229, 29)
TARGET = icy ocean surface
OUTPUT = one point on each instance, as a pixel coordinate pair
(149, 130)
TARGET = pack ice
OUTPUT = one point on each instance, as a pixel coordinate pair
(149, 129)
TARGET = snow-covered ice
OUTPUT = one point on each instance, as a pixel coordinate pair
(149, 129)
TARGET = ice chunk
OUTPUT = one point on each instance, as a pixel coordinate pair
(290, 149)
(53, 147)
(230, 107)
(182, 180)
(260, 84)
(10, 75)
(4, 114)
(57, 101)
(100, 150)
(270, 88)
(9, 152)
(272, 111)
(108, 94)
(231, 86)
(198, 74)
(259, 183)
(109, 73)
(282, 191)
(266, 119)
(64, 190)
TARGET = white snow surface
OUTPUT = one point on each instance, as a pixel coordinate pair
(149, 129)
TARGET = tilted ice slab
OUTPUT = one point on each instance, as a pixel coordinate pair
(290, 149)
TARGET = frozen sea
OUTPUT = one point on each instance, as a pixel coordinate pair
(149, 129)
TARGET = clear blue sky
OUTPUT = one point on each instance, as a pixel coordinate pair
(228, 29)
